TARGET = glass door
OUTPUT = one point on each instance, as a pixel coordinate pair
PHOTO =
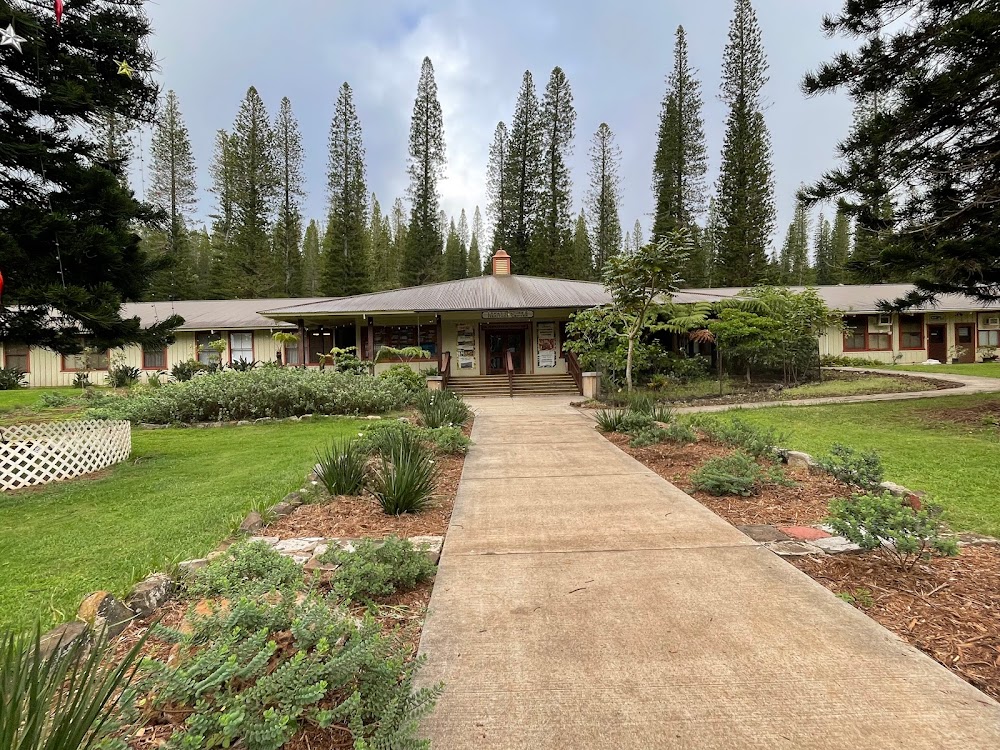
(498, 343)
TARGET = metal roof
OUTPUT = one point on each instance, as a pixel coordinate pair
(211, 314)
(513, 292)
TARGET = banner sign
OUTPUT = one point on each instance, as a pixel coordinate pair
(507, 314)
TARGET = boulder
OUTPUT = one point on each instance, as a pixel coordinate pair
(293, 499)
(243, 423)
(150, 594)
(252, 523)
(105, 614)
(150, 426)
(282, 509)
(799, 460)
(62, 638)
(431, 545)
(896, 489)
(190, 566)
(835, 545)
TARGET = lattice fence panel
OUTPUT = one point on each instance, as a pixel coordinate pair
(33, 454)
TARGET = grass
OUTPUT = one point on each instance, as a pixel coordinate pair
(182, 491)
(863, 385)
(979, 369)
(22, 404)
(955, 463)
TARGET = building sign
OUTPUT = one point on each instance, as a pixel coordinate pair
(546, 334)
(507, 314)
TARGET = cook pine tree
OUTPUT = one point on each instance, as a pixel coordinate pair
(794, 258)
(380, 259)
(288, 227)
(173, 190)
(583, 249)
(840, 248)
(603, 200)
(400, 227)
(745, 187)
(311, 260)
(475, 260)
(67, 239)
(523, 170)
(498, 196)
(422, 258)
(223, 173)
(455, 259)
(823, 251)
(551, 249)
(345, 242)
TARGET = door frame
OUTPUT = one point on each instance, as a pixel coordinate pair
(944, 332)
(486, 329)
(970, 355)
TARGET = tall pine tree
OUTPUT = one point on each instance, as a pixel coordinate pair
(475, 261)
(311, 261)
(823, 251)
(603, 199)
(223, 173)
(840, 248)
(794, 257)
(172, 189)
(288, 228)
(551, 252)
(422, 258)
(345, 244)
(583, 251)
(454, 259)
(745, 186)
(498, 194)
(681, 158)
(400, 229)
(524, 174)
(380, 258)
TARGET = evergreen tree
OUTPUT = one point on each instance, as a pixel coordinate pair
(696, 270)
(746, 184)
(223, 173)
(681, 158)
(474, 267)
(172, 189)
(288, 229)
(380, 260)
(627, 246)
(840, 249)
(251, 268)
(638, 239)
(422, 258)
(524, 174)
(68, 250)
(455, 260)
(311, 260)
(114, 134)
(583, 251)
(603, 198)
(710, 240)
(400, 229)
(498, 194)
(200, 242)
(345, 244)
(551, 251)
(794, 258)
(824, 252)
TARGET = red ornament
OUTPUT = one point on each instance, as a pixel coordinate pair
(59, 10)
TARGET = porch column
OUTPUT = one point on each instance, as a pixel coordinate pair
(439, 344)
(371, 341)
(302, 343)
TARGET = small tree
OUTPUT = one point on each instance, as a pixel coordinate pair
(285, 339)
(637, 281)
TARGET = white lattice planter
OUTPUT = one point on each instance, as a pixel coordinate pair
(33, 454)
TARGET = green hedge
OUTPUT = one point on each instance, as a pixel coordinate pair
(267, 392)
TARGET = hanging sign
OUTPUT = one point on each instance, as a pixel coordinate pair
(507, 314)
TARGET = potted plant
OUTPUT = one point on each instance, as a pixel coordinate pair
(284, 340)
(988, 353)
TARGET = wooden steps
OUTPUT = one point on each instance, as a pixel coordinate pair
(524, 385)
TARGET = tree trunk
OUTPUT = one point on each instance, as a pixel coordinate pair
(628, 363)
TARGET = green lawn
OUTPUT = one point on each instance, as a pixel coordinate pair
(863, 385)
(980, 369)
(25, 401)
(182, 492)
(956, 463)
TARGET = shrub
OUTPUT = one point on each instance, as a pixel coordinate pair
(644, 403)
(11, 379)
(341, 467)
(52, 400)
(410, 379)
(634, 421)
(65, 700)
(247, 569)
(442, 409)
(123, 376)
(265, 392)
(863, 470)
(680, 369)
(81, 380)
(646, 436)
(884, 520)
(757, 441)
(832, 360)
(405, 479)
(378, 569)
(184, 371)
(680, 432)
(609, 420)
(449, 440)
(381, 438)
(735, 474)
(242, 365)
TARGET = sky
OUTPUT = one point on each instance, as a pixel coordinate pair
(615, 55)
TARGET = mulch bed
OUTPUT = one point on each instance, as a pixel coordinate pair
(805, 504)
(948, 607)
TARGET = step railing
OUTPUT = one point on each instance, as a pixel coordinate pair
(510, 374)
(445, 369)
(573, 365)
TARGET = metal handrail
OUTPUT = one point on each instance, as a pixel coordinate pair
(573, 365)
(510, 373)
(445, 369)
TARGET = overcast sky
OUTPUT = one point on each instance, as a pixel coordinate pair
(615, 54)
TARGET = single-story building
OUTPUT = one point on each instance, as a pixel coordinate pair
(468, 327)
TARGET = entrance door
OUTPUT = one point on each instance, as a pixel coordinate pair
(498, 343)
(965, 339)
(937, 343)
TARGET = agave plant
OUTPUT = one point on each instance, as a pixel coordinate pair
(442, 409)
(64, 700)
(405, 479)
(341, 467)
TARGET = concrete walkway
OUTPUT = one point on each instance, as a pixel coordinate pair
(584, 602)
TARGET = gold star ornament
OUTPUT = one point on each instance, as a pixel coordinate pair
(124, 69)
(9, 38)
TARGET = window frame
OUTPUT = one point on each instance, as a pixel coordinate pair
(27, 357)
(146, 367)
(253, 346)
(64, 368)
(991, 332)
(903, 319)
(425, 335)
(197, 347)
(866, 334)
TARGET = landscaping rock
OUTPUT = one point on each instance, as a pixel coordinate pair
(252, 523)
(190, 566)
(150, 426)
(282, 509)
(306, 417)
(272, 540)
(835, 545)
(105, 614)
(62, 638)
(262, 419)
(896, 489)
(292, 498)
(313, 565)
(794, 548)
(804, 533)
(764, 533)
(243, 423)
(799, 460)
(968, 537)
(293, 419)
(296, 546)
(150, 594)
(373, 416)
(321, 549)
(433, 545)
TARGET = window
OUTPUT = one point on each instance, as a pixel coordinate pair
(85, 361)
(154, 359)
(241, 346)
(292, 354)
(16, 357)
(320, 343)
(986, 338)
(879, 341)
(963, 333)
(854, 333)
(399, 337)
(205, 355)
(911, 332)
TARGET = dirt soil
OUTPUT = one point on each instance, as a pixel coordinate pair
(948, 607)
(983, 414)
(805, 504)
